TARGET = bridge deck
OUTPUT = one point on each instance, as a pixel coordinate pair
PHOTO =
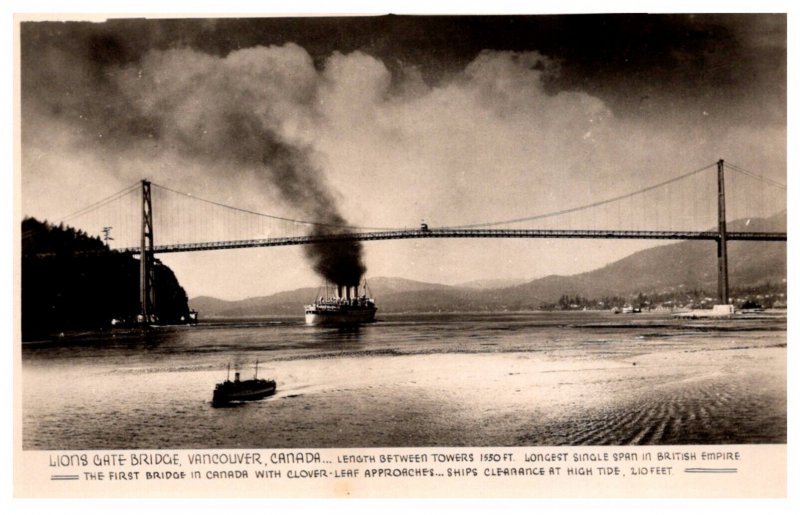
(464, 233)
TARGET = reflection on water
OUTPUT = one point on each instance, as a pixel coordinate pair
(341, 338)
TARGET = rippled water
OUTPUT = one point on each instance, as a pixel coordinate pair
(379, 384)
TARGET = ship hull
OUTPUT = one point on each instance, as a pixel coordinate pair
(251, 390)
(340, 317)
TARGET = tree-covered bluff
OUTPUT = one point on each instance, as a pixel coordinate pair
(72, 281)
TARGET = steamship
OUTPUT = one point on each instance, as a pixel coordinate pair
(240, 390)
(345, 308)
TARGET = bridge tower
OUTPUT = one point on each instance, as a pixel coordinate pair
(146, 259)
(722, 238)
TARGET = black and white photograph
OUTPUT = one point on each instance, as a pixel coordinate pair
(402, 231)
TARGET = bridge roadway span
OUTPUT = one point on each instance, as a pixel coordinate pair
(463, 233)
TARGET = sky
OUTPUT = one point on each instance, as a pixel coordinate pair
(389, 121)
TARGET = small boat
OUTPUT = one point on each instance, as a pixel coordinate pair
(237, 390)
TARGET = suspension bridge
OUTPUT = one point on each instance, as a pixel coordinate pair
(691, 206)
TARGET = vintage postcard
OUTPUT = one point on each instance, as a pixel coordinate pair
(401, 256)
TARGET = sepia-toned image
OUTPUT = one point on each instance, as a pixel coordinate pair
(402, 232)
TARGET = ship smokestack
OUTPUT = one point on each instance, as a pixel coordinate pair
(338, 291)
(347, 290)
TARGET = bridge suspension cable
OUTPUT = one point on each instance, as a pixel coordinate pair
(755, 175)
(587, 206)
(100, 203)
(273, 217)
(684, 204)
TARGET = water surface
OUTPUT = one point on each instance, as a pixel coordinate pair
(414, 380)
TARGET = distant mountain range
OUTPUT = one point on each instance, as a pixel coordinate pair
(682, 266)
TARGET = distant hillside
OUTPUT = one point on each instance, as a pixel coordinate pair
(490, 284)
(685, 266)
(292, 302)
(283, 303)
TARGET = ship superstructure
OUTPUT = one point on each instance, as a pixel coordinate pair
(345, 306)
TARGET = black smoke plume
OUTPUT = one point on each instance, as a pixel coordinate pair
(234, 111)
(339, 262)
